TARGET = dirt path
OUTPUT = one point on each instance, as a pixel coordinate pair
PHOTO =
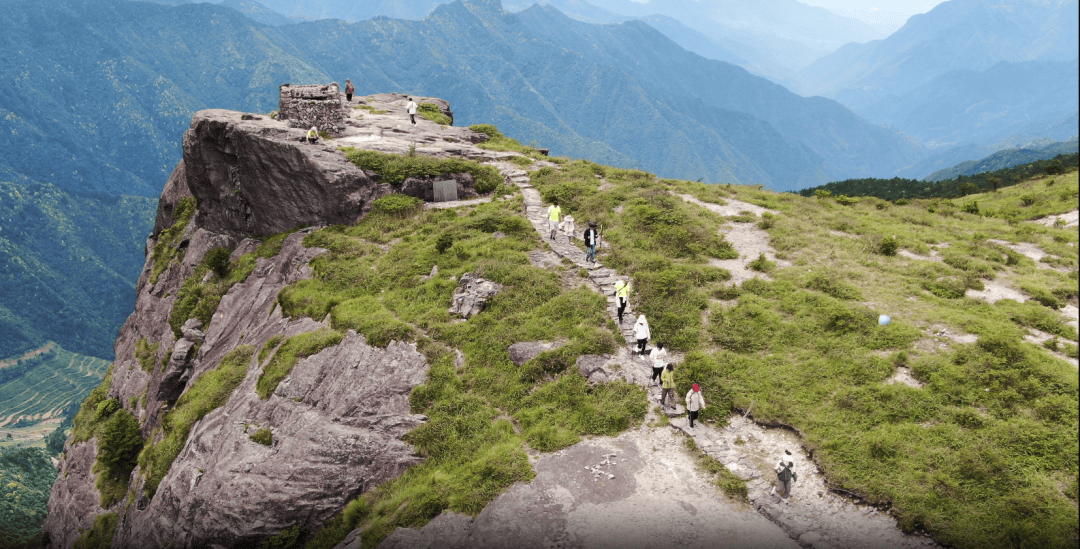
(747, 239)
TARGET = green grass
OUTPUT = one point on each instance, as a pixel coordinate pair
(165, 250)
(100, 535)
(485, 413)
(985, 455)
(393, 169)
(209, 391)
(433, 113)
(146, 354)
(263, 436)
(499, 142)
(198, 299)
(370, 109)
(290, 352)
(722, 477)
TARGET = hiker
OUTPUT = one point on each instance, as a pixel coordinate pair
(785, 476)
(411, 107)
(667, 381)
(554, 212)
(313, 135)
(694, 402)
(349, 89)
(659, 357)
(568, 228)
(590, 238)
(641, 332)
(622, 294)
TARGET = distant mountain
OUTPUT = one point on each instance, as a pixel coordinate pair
(772, 38)
(622, 94)
(1007, 159)
(68, 264)
(258, 12)
(967, 71)
(95, 95)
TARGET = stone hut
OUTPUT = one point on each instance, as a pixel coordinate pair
(312, 105)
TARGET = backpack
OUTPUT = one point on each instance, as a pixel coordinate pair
(785, 475)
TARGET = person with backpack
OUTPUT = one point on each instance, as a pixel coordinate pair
(590, 237)
(659, 356)
(349, 89)
(411, 107)
(622, 296)
(641, 332)
(667, 381)
(694, 402)
(554, 212)
(785, 475)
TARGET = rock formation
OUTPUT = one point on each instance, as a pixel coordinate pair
(471, 295)
(337, 420)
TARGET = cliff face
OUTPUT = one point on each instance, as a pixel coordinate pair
(336, 420)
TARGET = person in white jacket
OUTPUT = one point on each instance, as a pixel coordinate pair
(568, 228)
(785, 474)
(694, 403)
(641, 332)
(659, 359)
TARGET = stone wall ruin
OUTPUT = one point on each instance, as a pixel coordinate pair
(316, 105)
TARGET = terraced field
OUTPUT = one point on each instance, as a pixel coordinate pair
(37, 386)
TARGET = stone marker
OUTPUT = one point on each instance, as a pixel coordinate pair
(445, 191)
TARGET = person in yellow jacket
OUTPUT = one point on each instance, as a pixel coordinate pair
(667, 381)
(622, 295)
(554, 212)
(313, 135)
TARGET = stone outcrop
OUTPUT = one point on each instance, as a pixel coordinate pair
(471, 295)
(424, 190)
(520, 353)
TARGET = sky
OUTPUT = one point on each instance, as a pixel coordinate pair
(907, 8)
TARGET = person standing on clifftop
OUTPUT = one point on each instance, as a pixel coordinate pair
(349, 89)
(411, 107)
(554, 212)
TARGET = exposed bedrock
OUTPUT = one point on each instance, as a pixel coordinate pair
(254, 177)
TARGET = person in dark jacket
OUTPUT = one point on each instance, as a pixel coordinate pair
(590, 238)
(349, 89)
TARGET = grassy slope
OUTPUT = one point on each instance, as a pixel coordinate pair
(985, 455)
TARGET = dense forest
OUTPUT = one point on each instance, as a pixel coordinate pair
(898, 188)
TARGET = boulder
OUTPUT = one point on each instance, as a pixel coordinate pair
(192, 332)
(520, 353)
(593, 367)
(471, 295)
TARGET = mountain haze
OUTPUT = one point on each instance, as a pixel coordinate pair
(968, 71)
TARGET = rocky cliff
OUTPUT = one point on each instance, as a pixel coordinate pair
(251, 466)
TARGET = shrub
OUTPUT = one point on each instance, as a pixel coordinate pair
(397, 205)
(146, 354)
(762, 264)
(443, 242)
(433, 113)
(100, 535)
(263, 436)
(888, 246)
(767, 221)
(487, 129)
(165, 248)
(393, 169)
(822, 193)
(846, 200)
(830, 285)
(217, 260)
(119, 444)
(972, 207)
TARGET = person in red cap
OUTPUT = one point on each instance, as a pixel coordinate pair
(694, 403)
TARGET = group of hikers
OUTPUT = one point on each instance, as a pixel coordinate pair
(312, 135)
(662, 370)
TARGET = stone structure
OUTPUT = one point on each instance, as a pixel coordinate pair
(315, 105)
(445, 191)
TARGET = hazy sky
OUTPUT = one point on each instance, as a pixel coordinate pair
(905, 7)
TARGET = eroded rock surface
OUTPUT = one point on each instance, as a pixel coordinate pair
(471, 295)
